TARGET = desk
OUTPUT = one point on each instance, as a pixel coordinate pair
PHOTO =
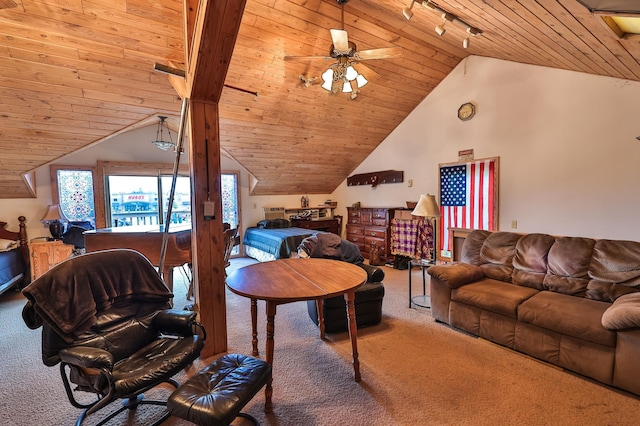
(148, 241)
(291, 280)
(423, 301)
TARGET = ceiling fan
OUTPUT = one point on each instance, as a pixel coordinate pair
(343, 76)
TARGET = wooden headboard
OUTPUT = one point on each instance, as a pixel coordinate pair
(20, 236)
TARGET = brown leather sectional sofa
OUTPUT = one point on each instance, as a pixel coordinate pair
(570, 301)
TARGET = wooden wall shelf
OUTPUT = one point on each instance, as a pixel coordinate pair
(376, 178)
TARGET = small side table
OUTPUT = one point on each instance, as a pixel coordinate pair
(423, 300)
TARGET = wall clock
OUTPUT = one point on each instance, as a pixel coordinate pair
(466, 111)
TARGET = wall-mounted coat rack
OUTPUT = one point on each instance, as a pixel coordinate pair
(376, 178)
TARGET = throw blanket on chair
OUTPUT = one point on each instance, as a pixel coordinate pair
(68, 297)
(330, 246)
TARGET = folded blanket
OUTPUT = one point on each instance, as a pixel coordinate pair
(331, 246)
(69, 297)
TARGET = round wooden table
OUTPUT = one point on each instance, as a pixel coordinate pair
(292, 280)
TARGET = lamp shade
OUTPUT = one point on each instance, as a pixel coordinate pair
(426, 207)
(53, 214)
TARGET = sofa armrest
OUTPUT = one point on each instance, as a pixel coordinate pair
(623, 313)
(456, 274)
(374, 273)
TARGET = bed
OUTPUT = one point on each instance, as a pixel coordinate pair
(14, 257)
(266, 244)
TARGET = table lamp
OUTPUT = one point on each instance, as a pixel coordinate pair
(55, 219)
(427, 207)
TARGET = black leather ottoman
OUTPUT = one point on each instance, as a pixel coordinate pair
(215, 395)
(368, 306)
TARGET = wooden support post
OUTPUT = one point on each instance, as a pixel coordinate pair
(207, 235)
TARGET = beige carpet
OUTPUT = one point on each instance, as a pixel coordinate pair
(414, 372)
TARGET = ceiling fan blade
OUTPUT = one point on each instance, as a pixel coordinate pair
(305, 58)
(382, 53)
(367, 72)
(340, 40)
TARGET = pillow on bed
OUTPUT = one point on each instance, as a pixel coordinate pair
(7, 244)
(274, 223)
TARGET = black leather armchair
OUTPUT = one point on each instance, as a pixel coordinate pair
(369, 296)
(106, 319)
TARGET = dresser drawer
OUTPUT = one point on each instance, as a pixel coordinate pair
(370, 231)
(379, 222)
(379, 242)
(365, 217)
(355, 230)
(353, 216)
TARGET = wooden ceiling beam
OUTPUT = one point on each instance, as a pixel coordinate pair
(214, 35)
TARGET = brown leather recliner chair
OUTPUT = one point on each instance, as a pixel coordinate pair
(106, 319)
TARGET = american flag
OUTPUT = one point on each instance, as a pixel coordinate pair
(466, 197)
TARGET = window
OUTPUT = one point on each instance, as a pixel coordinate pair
(231, 202)
(136, 200)
(128, 194)
(73, 190)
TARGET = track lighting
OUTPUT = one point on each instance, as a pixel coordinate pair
(440, 30)
(407, 10)
(446, 16)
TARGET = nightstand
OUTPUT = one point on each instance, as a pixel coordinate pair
(46, 254)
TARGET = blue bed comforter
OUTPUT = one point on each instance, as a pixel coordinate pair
(280, 242)
(11, 268)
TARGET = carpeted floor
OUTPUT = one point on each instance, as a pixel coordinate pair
(414, 372)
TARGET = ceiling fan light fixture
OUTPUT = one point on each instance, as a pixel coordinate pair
(346, 87)
(327, 79)
(361, 81)
(351, 73)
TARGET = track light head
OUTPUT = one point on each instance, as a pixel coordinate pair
(465, 43)
(440, 30)
(407, 12)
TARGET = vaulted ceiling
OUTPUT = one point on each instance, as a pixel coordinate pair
(75, 72)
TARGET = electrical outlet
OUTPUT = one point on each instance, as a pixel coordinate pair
(514, 224)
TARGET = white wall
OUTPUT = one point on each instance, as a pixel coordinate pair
(566, 142)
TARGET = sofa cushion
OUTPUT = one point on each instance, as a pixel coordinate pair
(614, 269)
(568, 265)
(497, 255)
(493, 295)
(623, 313)
(569, 315)
(472, 245)
(530, 260)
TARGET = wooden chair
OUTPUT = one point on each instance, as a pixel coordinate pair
(230, 239)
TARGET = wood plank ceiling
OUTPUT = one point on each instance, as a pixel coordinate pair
(74, 72)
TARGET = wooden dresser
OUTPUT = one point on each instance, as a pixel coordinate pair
(47, 254)
(367, 226)
(328, 225)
